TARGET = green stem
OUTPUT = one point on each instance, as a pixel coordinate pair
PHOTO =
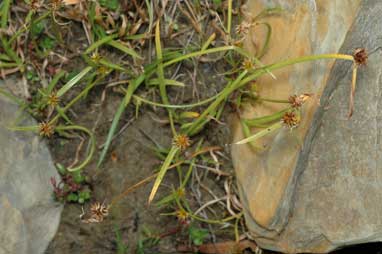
(271, 100)
(288, 62)
(200, 103)
(260, 134)
(77, 98)
(223, 95)
(266, 119)
(92, 144)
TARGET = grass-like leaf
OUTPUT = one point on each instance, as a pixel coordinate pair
(124, 49)
(162, 172)
(100, 42)
(126, 100)
(73, 81)
(260, 134)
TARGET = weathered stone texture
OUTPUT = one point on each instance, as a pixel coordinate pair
(319, 187)
(28, 215)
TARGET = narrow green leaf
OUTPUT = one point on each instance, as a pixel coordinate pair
(55, 80)
(73, 81)
(4, 13)
(100, 42)
(265, 47)
(92, 144)
(126, 100)
(171, 82)
(260, 134)
(111, 65)
(123, 48)
(162, 172)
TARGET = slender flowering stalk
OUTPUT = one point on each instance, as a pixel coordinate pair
(360, 58)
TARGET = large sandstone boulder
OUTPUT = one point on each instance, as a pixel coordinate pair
(29, 217)
(318, 187)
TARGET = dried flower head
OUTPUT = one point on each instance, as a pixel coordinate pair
(99, 209)
(243, 28)
(290, 119)
(296, 101)
(53, 99)
(98, 212)
(181, 141)
(360, 56)
(46, 129)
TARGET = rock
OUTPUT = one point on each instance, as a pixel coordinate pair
(29, 217)
(317, 188)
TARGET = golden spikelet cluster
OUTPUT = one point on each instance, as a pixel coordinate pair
(95, 57)
(181, 141)
(247, 64)
(182, 215)
(46, 129)
(53, 99)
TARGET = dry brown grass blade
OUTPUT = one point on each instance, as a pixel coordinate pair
(352, 92)
(194, 22)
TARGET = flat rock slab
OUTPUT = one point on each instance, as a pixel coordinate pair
(29, 217)
(320, 188)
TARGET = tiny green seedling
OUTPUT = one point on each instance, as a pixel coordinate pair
(73, 187)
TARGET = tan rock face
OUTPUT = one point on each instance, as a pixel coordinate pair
(267, 175)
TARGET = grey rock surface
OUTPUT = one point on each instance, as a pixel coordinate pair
(29, 217)
(334, 195)
(338, 198)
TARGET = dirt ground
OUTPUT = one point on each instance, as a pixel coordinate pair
(131, 160)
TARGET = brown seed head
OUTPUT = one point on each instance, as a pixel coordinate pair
(296, 101)
(181, 141)
(45, 129)
(290, 119)
(360, 56)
